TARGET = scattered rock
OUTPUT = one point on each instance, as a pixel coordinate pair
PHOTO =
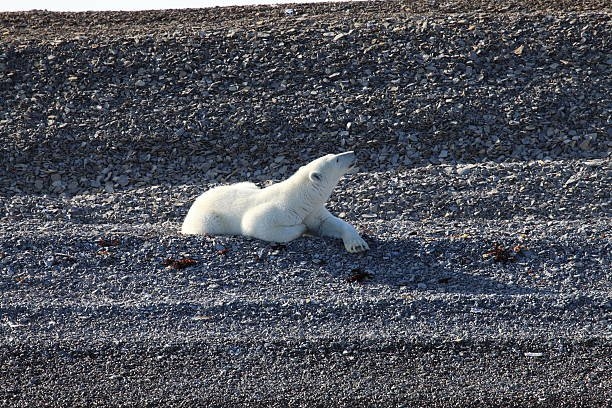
(113, 133)
(461, 100)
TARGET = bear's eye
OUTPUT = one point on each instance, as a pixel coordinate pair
(337, 160)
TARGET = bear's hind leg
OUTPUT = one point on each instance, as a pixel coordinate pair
(214, 224)
(208, 223)
(284, 233)
(280, 233)
(271, 224)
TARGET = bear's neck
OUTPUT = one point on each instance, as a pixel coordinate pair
(299, 189)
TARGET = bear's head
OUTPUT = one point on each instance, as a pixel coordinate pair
(329, 168)
(320, 176)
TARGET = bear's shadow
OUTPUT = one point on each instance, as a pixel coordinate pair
(411, 263)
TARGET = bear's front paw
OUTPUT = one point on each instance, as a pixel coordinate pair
(355, 244)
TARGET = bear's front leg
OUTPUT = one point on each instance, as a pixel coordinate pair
(323, 223)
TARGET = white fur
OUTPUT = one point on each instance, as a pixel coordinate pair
(281, 212)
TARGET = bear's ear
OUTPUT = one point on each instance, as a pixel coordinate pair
(315, 176)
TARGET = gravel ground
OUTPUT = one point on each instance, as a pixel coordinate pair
(483, 135)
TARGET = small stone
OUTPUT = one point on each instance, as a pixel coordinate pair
(519, 50)
(123, 180)
(140, 83)
(465, 170)
(339, 36)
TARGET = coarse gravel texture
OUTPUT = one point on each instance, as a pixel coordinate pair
(483, 132)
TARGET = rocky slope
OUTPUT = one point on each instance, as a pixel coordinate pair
(483, 135)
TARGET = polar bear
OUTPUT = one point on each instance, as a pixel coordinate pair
(281, 212)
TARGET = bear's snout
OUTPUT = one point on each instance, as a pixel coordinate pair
(350, 155)
(347, 160)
